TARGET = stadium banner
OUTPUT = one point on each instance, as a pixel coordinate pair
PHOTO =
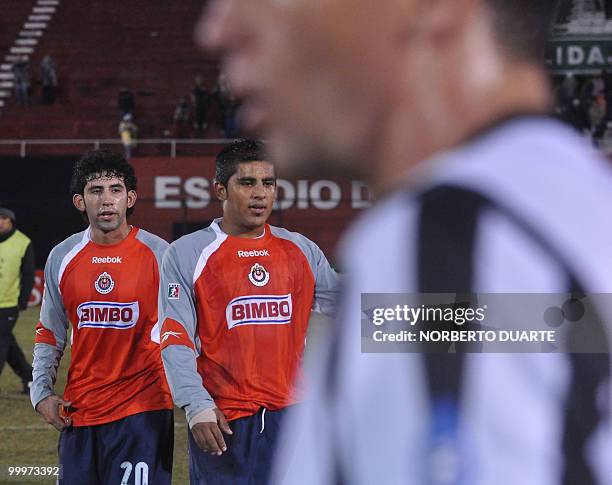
(579, 54)
(37, 290)
(176, 196)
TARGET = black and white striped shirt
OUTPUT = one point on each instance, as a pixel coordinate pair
(523, 208)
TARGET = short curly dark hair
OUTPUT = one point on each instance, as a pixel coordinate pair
(101, 163)
(239, 151)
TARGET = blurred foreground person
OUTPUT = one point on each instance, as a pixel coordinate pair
(441, 105)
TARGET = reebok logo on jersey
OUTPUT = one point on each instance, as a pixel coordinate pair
(39, 331)
(108, 314)
(254, 253)
(107, 259)
(168, 334)
(259, 310)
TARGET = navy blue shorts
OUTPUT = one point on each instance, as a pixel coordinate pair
(249, 454)
(136, 450)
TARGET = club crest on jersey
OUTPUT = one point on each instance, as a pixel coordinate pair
(108, 314)
(174, 291)
(258, 275)
(104, 284)
(259, 310)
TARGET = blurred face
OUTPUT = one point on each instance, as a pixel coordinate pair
(105, 200)
(316, 76)
(5, 224)
(248, 197)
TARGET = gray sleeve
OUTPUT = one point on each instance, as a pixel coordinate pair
(326, 279)
(326, 283)
(51, 334)
(180, 345)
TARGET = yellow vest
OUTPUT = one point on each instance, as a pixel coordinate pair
(12, 252)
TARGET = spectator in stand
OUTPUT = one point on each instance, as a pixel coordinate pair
(21, 73)
(201, 99)
(48, 77)
(182, 114)
(228, 105)
(128, 131)
(125, 102)
(566, 91)
(597, 116)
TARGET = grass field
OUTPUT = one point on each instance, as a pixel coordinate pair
(26, 440)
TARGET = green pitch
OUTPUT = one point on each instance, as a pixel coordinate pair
(26, 440)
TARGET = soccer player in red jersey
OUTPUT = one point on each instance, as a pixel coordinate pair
(238, 296)
(115, 416)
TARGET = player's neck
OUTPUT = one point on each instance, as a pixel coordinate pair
(237, 230)
(109, 238)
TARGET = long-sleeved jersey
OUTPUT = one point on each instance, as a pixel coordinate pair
(109, 294)
(235, 315)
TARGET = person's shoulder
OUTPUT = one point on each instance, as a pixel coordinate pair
(195, 241)
(154, 242)
(307, 246)
(72, 244)
(21, 236)
(393, 217)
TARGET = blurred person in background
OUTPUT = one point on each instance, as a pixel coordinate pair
(125, 101)
(494, 196)
(21, 78)
(128, 132)
(48, 77)
(201, 100)
(17, 268)
(116, 414)
(182, 115)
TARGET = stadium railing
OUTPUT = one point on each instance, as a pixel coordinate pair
(172, 144)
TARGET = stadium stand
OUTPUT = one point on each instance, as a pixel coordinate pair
(98, 48)
(582, 17)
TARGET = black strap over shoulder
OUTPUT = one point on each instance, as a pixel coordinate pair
(448, 226)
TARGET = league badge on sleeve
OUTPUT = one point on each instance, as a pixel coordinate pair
(258, 275)
(104, 284)
(174, 291)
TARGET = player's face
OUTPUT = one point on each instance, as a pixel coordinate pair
(105, 201)
(248, 197)
(315, 77)
(5, 224)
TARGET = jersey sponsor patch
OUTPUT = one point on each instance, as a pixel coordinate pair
(104, 284)
(108, 314)
(107, 260)
(174, 291)
(258, 275)
(259, 310)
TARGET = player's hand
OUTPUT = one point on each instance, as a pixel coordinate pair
(208, 436)
(49, 409)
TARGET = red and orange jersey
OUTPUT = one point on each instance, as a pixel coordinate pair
(235, 315)
(109, 295)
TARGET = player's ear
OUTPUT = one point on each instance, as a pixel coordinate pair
(79, 202)
(131, 198)
(220, 191)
